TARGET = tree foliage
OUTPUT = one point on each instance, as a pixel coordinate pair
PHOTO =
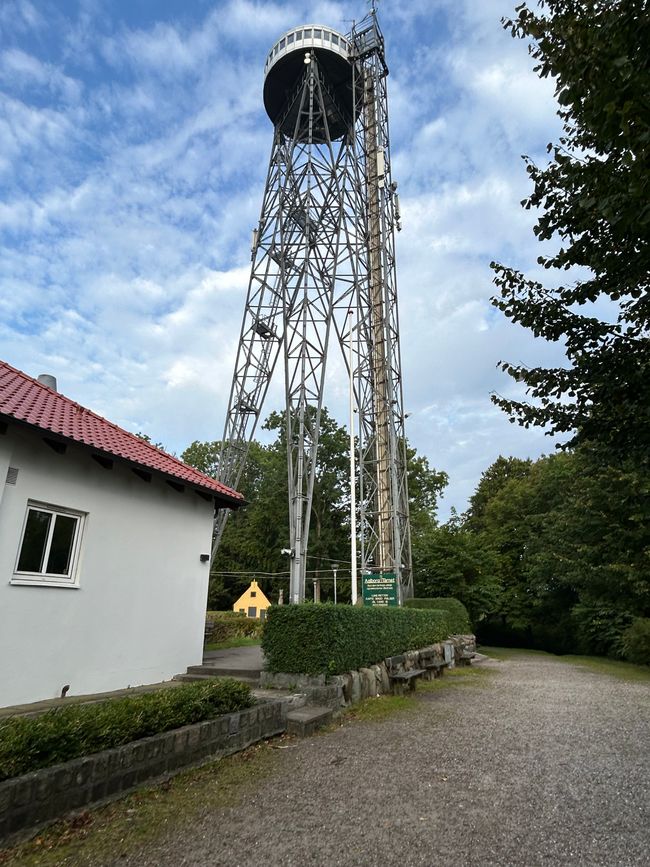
(594, 198)
(255, 535)
(570, 544)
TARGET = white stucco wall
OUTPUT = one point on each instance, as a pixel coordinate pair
(138, 614)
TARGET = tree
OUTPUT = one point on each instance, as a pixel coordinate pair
(329, 528)
(570, 545)
(595, 199)
(496, 477)
(203, 457)
(451, 561)
(255, 534)
(426, 486)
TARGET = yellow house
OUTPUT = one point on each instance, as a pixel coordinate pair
(252, 603)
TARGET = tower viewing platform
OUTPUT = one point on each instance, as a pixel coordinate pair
(285, 66)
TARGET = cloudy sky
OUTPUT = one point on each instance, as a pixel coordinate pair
(133, 152)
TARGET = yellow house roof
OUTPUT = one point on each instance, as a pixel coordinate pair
(246, 599)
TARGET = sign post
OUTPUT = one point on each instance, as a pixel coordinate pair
(380, 589)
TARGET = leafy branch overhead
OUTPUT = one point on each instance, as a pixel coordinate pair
(594, 202)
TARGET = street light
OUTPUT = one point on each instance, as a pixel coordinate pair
(335, 567)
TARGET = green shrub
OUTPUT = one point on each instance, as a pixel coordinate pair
(330, 639)
(599, 629)
(222, 625)
(636, 641)
(29, 743)
(457, 615)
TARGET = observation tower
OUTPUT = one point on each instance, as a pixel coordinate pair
(323, 273)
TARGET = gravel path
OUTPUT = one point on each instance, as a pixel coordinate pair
(545, 763)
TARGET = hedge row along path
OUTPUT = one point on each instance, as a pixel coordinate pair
(529, 761)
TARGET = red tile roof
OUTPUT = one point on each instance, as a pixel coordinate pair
(26, 400)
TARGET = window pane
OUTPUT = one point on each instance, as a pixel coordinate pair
(33, 547)
(298, 34)
(289, 38)
(335, 39)
(58, 563)
(308, 33)
(317, 33)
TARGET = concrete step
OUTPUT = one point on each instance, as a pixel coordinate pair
(224, 671)
(306, 720)
(195, 678)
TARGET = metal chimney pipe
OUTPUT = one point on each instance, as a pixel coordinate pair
(48, 380)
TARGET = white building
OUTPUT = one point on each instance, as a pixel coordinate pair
(104, 543)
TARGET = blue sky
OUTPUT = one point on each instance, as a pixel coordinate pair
(133, 151)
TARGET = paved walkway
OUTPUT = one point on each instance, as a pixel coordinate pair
(236, 660)
(545, 763)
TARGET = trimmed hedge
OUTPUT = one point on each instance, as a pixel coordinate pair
(222, 625)
(331, 639)
(29, 743)
(459, 621)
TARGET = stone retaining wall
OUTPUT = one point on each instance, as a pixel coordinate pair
(341, 690)
(33, 800)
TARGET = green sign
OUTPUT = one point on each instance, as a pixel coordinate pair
(380, 589)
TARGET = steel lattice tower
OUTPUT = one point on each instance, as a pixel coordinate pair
(323, 262)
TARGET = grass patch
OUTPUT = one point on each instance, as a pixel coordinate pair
(599, 664)
(503, 653)
(374, 709)
(612, 667)
(470, 675)
(233, 642)
(147, 816)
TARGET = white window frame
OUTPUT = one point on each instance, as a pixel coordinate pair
(45, 579)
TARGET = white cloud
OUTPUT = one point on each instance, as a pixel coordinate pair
(133, 154)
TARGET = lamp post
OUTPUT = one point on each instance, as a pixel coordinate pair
(335, 567)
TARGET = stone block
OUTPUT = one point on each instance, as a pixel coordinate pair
(84, 772)
(18, 819)
(114, 785)
(129, 778)
(233, 723)
(153, 748)
(356, 687)
(347, 687)
(23, 790)
(43, 788)
(101, 766)
(385, 680)
(205, 732)
(98, 790)
(78, 797)
(62, 778)
(367, 683)
(305, 721)
(6, 793)
(180, 741)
